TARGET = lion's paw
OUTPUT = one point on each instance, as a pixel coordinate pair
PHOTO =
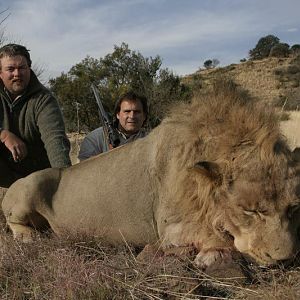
(22, 233)
(209, 260)
(25, 238)
(150, 252)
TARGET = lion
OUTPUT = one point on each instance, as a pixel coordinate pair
(216, 174)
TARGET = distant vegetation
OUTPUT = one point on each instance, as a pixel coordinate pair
(124, 70)
(114, 74)
(270, 46)
(211, 63)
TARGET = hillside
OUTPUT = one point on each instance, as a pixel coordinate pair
(274, 80)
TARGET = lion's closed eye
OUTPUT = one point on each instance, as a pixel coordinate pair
(255, 212)
(250, 212)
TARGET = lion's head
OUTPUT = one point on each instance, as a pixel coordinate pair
(261, 209)
(233, 179)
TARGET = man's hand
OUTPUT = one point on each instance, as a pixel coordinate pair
(14, 144)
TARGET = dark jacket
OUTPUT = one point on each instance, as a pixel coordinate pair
(36, 118)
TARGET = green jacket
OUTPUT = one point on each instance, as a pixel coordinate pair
(36, 118)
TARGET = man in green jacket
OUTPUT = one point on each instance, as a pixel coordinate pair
(32, 130)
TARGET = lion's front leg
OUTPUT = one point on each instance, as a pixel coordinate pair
(210, 250)
(18, 210)
(22, 232)
(212, 259)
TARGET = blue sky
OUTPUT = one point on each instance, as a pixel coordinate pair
(183, 33)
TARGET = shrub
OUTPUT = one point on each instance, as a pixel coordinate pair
(263, 47)
(295, 48)
(280, 50)
(293, 69)
(279, 71)
(208, 64)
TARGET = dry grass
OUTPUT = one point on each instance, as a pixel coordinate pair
(257, 77)
(274, 80)
(291, 129)
(81, 268)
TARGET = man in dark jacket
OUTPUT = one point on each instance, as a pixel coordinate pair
(32, 130)
(130, 115)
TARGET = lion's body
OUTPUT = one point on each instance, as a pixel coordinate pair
(216, 175)
(118, 209)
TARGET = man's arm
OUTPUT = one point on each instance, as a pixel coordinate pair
(14, 144)
(52, 130)
(93, 144)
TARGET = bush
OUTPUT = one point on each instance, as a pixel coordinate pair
(279, 71)
(288, 102)
(295, 49)
(280, 50)
(263, 47)
(117, 72)
(293, 69)
(208, 64)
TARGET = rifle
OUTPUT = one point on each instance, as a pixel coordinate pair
(110, 134)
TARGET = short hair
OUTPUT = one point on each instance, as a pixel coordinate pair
(14, 50)
(131, 96)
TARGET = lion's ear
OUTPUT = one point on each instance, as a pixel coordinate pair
(210, 170)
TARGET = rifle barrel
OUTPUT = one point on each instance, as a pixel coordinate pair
(110, 134)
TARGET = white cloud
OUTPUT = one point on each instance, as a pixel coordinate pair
(62, 33)
(293, 30)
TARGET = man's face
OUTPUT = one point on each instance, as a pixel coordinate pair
(131, 116)
(15, 74)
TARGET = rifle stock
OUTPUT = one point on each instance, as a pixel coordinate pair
(110, 134)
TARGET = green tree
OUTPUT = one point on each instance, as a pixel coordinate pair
(114, 74)
(263, 47)
(211, 63)
(295, 49)
(208, 64)
(280, 50)
(215, 62)
(166, 90)
(74, 87)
